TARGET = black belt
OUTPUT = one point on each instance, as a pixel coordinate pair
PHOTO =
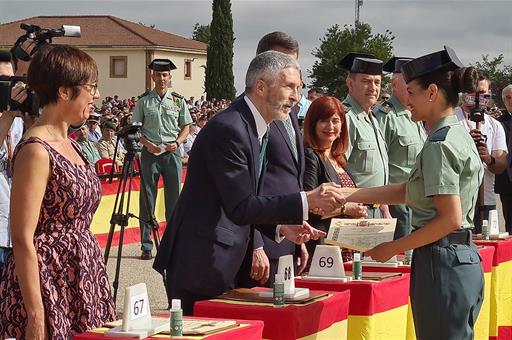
(456, 237)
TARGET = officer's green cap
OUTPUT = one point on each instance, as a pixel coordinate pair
(445, 60)
(394, 65)
(162, 65)
(108, 124)
(361, 63)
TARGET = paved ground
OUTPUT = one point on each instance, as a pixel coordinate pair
(133, 271)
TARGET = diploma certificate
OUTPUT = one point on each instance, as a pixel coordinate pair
(360, 234)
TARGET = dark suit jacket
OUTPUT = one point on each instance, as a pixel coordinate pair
(283, 175)
(206, 240)
(318, 171)
(503, 184)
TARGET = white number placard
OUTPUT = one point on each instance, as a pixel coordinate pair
(327, 262)
(139, 306)
(494, 227)
(136, 312)
(285, 267)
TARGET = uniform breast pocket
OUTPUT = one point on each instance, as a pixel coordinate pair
(411, 146)
(368, 155)
(171, 116)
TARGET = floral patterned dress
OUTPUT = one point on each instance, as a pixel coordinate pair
(74, 283)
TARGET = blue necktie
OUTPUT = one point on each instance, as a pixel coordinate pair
(261, 158)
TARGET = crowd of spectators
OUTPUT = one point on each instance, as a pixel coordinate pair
(97, 137)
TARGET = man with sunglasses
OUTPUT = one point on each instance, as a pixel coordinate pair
(490, 141)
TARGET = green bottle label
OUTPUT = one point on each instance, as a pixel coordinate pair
(177, 323)
(278, 294)
(357, 270)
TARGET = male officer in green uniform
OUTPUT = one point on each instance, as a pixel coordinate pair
(404, 139)
(367, 158)
(166, 119)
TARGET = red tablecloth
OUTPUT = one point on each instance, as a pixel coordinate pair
(482, 324)
(500, 326)
(248, 330)
(378, 309)
(316, 320)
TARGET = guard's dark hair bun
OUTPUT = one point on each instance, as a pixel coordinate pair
(465, 79)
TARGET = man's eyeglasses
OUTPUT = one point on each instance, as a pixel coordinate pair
(92, 88)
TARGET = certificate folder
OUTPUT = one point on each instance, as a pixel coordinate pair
(252, 295)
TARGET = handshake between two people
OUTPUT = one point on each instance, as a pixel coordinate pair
(328, 199)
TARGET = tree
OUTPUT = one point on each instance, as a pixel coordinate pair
(336, 43)
(500, 74)
(219, 80)
(201, 33)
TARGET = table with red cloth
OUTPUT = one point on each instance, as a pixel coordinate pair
(500, 326)
(325, 318)
(483, 322)
(378, 309)
(247, 330)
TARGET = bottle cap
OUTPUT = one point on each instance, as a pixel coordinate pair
(357, 256)
(279, 278)
(485, 222)
(175, 304)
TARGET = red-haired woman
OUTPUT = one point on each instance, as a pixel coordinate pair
(326, 140)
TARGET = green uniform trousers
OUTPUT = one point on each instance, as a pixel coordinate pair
(447, 287)
(403, 217)
(169, 166)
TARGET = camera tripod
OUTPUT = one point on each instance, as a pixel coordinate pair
(119, 216)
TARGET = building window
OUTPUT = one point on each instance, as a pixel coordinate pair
(119, 67)
(188, 69)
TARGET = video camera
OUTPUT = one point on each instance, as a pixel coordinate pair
(131, 135)
(41, 37)
(479, 102)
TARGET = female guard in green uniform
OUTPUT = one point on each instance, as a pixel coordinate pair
(442, 188)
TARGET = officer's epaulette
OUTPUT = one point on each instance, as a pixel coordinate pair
(385, 107)
(439, 135)
(177, 95)
(346, 106)
(144, 94)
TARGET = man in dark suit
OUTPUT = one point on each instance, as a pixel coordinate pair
(503, 183)
(283, 175)
(202, 251)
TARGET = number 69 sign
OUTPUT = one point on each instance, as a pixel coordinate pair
(327, 262)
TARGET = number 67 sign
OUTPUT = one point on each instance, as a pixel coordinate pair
(136, 310)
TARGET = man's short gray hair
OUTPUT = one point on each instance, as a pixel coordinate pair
(505, 90)
(267, 66)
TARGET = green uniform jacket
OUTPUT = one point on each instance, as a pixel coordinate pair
(404, 138)
(448, 164)
(367, 158)
(162, 118)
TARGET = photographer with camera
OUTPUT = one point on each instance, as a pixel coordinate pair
(11, 130)
(55, 282)
(490, 141)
